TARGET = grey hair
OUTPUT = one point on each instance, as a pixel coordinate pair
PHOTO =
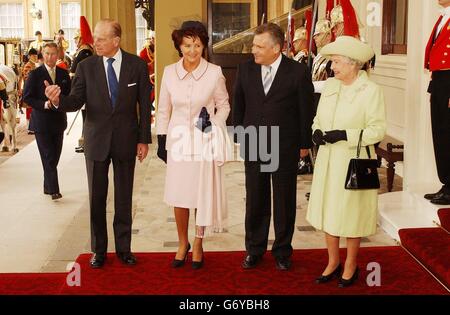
(275, 31)
(359, 65)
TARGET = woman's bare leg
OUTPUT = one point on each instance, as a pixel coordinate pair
(182, 220)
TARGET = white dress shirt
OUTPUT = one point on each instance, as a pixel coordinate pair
(445, 12)
(116, 66)
(274, 66)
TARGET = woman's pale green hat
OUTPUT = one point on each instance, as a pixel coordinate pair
(349, 46)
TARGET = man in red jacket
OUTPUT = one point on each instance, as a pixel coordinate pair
(438, 62)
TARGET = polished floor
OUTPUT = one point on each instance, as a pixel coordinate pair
(40, 235)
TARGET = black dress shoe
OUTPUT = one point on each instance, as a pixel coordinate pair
(432, 196)
(176, 263)
(251, 261)
(304, 167)
(79, 149)
(441, 199)
(56, 196)
(307, 195)
(97, 260)
(283, 263)
(327, 278)
(198, 264)
(343, 283)
(127, 258)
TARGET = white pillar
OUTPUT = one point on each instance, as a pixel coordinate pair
(420, 167)
(45, 20)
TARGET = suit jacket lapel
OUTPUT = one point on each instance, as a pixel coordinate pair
(256, 75)
(46, 74)
(277, 79)
(124, 77)
(58, 77)
(103, 82)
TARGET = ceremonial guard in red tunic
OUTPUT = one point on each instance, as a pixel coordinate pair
(148, 55)
(437, 61)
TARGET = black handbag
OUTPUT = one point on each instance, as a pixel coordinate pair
(362, 173)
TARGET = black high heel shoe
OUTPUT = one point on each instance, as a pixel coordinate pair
(176, 263)
(327, 278)
(343, 283)
(198, 264)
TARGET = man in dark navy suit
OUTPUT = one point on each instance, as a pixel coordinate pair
(47, 125)
(272, 92)
(114, 86)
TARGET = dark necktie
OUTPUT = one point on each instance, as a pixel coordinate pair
(112, 82)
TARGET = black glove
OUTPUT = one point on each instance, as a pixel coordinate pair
(334, 136)
(4, 98)
(203, 121)
(162, 152)
(317, 137)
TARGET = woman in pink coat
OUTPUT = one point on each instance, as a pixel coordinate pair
(192, 88)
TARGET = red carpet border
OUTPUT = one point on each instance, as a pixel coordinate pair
(431, 246)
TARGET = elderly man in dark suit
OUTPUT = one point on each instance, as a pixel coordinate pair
(48, 126)
(111, 85)
(273, 99)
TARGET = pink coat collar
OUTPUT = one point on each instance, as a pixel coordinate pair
(197, 73)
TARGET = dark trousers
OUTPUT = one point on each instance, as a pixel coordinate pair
(440, 120)
(258, 209)
(50, 146)
(97, 172)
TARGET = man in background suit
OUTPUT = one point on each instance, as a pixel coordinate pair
(272, 91)
(111, 85)
(48, 126)
(437, 61)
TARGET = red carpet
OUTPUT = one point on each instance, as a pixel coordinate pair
(444, 217)
(431, 246)
(222, 275)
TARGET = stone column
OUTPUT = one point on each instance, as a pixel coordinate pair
(121, 10)
(420, 167)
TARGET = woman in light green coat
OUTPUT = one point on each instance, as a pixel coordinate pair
(350, 102)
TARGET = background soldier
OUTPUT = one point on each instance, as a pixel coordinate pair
(148, 55)
(301, 45)
(38, 43)
(27, 68)
(438, 62)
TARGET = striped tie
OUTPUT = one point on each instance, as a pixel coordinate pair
(267, 82)
(53, 75)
